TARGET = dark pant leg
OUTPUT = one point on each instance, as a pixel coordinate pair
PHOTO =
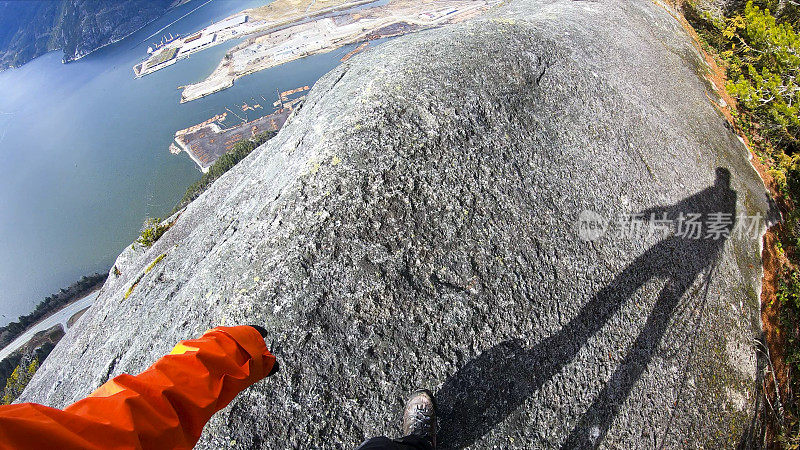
(405, 443)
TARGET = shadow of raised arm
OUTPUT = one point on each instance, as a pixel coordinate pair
(497, 382)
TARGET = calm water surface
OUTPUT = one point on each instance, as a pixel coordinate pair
(84, 150)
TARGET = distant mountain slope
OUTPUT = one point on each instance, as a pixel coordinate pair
(31, 28)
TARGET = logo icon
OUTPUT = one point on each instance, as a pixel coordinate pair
(591, 225)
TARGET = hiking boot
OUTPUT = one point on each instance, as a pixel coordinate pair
(419, 417)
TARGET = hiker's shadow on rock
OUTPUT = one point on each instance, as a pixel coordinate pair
(493, 385)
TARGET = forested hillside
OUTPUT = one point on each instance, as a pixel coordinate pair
(31, 28)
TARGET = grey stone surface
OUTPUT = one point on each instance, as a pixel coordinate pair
(414, 225)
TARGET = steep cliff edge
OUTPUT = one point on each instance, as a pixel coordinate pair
(414, 224)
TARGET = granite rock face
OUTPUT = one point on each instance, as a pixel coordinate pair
(415, 225)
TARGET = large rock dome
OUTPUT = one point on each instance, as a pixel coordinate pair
(415, 224)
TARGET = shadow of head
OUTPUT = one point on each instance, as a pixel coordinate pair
(492, 386)
(723, 178)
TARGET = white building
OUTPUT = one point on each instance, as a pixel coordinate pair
(204, 40)
(227, 23)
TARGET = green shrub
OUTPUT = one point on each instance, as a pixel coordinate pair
(151, 232)
(764, 62)
(19, 378)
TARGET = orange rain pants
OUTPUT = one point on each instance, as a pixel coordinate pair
(164, 407)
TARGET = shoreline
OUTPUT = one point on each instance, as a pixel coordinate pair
(281, 46)
(65, 60)
(172, 7)
(241, 31)
(18, 342)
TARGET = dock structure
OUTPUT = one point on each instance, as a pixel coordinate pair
(284, 96)
(207, 141)
(354, 51)
(172, 48)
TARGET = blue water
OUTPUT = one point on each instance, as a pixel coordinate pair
(83, 150)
